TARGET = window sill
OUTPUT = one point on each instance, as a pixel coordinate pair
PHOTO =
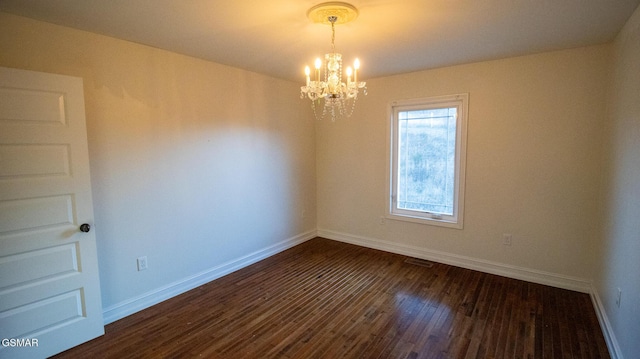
(426, 221)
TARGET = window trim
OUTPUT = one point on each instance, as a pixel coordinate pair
(461, 101)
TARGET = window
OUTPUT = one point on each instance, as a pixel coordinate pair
(428, 145)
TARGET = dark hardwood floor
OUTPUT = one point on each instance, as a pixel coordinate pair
(325, 299)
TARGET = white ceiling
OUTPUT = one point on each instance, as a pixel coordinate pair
(275, 37)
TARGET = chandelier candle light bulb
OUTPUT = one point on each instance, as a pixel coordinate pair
(318, 66)
(356, 66)
(338, 97)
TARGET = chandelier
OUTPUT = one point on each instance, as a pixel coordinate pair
(327, 88)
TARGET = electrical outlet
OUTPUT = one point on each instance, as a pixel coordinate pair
(381, 220)
(142, 263)
(618, 297)
(507, 238)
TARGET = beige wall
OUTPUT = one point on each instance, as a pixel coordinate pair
(618, 253)
(533, 168)
(193, 164)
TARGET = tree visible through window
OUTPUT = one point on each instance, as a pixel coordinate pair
(428, 138)
(426, 159)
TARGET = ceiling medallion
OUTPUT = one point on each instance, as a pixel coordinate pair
(339, 97)
(342, 11)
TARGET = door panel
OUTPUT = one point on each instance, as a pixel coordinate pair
(17, 105)
(49, 286)
(45, 160)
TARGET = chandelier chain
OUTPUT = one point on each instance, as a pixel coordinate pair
(332, 20)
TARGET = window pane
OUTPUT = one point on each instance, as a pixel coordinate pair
(426, 160)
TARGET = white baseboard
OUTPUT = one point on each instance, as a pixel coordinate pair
(146, 300)
(607, 330)
(505, 270)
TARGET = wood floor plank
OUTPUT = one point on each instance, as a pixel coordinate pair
(326, 299)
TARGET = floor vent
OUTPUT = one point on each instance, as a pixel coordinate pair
(419, 262)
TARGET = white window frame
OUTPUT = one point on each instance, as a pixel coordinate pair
(461, 102)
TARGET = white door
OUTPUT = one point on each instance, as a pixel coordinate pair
(49, 285)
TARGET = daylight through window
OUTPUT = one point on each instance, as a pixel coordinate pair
(428, 143)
